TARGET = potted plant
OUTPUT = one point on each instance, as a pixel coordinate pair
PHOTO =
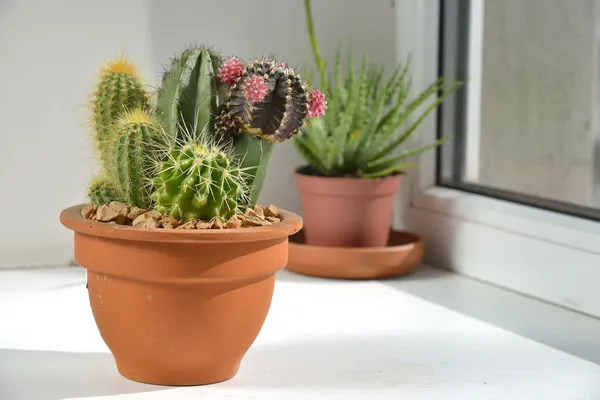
(355, 154)
(180, 259)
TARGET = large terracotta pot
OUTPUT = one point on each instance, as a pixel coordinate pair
(179, 307)
(346, 212)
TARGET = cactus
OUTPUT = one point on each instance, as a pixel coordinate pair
(189, 94)
(270, 102)
(135, 140)
(199, 180)
(119, 89)
(102, 191)
(268, 99)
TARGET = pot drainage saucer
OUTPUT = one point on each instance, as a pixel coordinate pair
(401, 256)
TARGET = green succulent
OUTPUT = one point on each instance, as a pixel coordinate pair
(368, 119)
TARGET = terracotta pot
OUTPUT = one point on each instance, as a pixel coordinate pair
(346, 212)
(179, 307)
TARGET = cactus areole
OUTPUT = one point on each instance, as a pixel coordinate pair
(180, 258)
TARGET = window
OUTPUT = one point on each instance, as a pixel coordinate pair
(526, 127)
(514, 198)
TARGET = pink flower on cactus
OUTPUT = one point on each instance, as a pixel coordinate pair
(231, 70)
(255, 89)
(317, 104)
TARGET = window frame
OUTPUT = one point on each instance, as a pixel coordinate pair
(548, 255)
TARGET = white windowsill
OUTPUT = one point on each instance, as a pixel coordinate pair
(553, 227)
(433, 335)
(550, 256)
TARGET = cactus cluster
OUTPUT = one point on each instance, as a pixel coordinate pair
(124, 131)
(198, 147)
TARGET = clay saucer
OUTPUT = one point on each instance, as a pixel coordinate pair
(401, 256)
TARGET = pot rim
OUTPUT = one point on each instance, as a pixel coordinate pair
(72, 219)
(416, 240)
(298, 172)
(346, 187)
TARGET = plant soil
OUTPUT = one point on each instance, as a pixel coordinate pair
(121, 214)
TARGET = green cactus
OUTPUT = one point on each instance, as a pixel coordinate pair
(134, 145)
(254, 154)
(189, 94)
(102, 191)
(199, 180)
(119, 89)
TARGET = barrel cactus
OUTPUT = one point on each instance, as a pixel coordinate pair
(199, 180)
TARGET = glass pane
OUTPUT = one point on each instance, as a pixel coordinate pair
(526, 124)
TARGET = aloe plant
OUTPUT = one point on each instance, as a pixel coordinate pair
(369, 119)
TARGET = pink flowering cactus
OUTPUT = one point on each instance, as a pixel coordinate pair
(268, 99)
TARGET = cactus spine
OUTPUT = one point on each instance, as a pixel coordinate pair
(134, 142)
(101, 191)
(199, 180)
(119, 89)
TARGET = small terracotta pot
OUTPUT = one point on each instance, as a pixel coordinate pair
(346, 212)
(179, 307)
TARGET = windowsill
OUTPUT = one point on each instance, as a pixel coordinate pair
(528, 221)
(538, 253)
(434, 335)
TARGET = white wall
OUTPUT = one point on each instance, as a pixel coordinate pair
(51, 52)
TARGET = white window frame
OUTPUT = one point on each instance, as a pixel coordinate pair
(547, 255)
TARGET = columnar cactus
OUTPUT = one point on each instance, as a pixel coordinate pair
(119, 89)
(189, 94)
(199, 180)
(268, 99)
(134, 144)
